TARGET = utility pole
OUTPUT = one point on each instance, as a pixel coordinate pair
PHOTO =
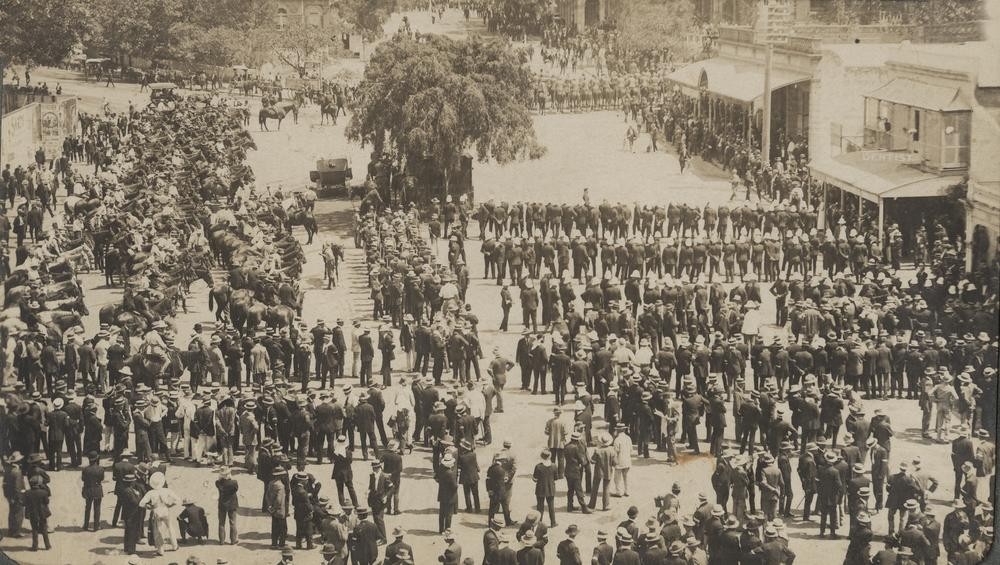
(3, 70)
(765, 128)
(774, 25)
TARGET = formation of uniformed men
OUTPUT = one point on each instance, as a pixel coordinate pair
(664, 354)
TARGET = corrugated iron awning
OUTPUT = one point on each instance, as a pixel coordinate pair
(738, 80)
(918, 94)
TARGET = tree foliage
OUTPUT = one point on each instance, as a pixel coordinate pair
(220, 45)
(440, 98)
(134, 27)
(220, 32)
(366, 16)
(653, 24)
(40, 31)
(300, 45)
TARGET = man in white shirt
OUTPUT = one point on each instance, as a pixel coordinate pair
(185, 414)
(101, 353)
(355, 348)
(623, 460)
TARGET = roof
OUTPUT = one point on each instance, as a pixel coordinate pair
(863, 54)
(732, 78)
(881, 174)
(971, 57)
(921, 95)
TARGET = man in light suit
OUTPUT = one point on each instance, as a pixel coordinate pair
(557, 432)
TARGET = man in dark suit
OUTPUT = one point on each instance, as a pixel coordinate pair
(379, 490)
(337, 337)
(496, 489)
(902, 487)
(860, 427)
(364, 414)
(603, 460)
(576, 467)
(523, 357)
(468, 475)
(505, 555)
(962, 450)
(912, 536)
(880, 470)
(529, 305)
(774, 550)
(367, 355)
(491, 541)
(393, 550)
(692, 409)
(829, 489)
(326, 432)
(544, 477)
(319, 332)
(93, 489)
(366, 538)
(447, 479)
(193, 522)
(228, 504)
(858, 490)
(392, 465)
(567, 552)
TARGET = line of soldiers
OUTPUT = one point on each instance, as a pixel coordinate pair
(723, 244)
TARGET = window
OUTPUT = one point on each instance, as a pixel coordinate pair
(282, 18)
(315, 16)
(955, 140)
(878, 124)
(930, 139)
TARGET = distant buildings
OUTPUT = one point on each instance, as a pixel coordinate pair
(580, 14)
(316, 13)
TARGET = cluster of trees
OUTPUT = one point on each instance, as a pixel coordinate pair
(646, 25)
(41, 31)
(434, 100)
(218, 32)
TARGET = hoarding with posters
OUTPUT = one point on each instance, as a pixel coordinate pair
(21, 135)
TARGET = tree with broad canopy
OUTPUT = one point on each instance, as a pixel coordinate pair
(438, 98)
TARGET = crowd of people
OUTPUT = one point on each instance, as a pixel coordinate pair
(145, 217)
(650, 325)
(601, 48)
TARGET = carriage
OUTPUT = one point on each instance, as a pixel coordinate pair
(331, 176)
(161, 91)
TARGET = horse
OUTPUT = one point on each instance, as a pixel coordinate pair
(280, 316)
(74, 205)
(240, 302)
(305, 219)
(219, 295)
(333, 254)
(256, 313)
(329, 108)
(53, 291)
(60, 320)
(271, 113)
(71, 304)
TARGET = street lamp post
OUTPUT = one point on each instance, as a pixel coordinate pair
(765, 131)
(3, 70)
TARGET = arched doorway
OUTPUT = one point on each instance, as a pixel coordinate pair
(592, 13)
